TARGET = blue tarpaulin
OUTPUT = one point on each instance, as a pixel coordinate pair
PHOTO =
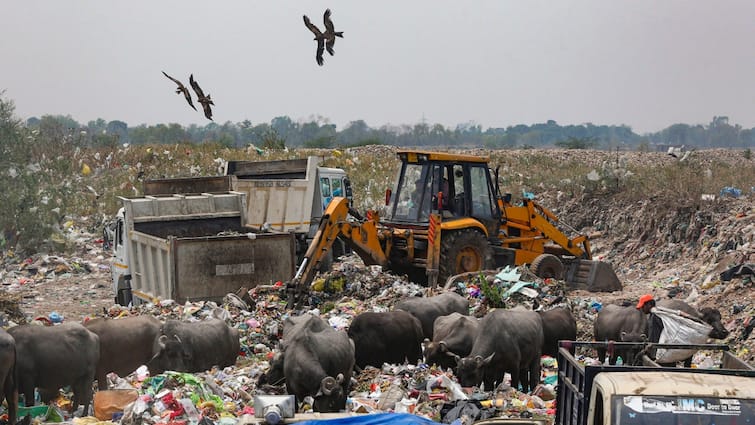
(375, 419)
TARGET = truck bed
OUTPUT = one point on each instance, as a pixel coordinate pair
(191, 247)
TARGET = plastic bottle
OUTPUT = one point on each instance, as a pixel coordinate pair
(190, 409)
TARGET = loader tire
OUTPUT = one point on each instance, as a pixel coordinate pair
(462, 251)
(547, 265)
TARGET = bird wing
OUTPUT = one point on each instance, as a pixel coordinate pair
(187, 95)
(195, 86)
(173, 79)
(328, 23)
(320, 48)
(316, 31)
(330, 42)
(207, 110)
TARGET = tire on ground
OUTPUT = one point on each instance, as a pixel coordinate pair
(465, 250)
(547, 265)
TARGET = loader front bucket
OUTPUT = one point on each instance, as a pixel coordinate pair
(592, 275)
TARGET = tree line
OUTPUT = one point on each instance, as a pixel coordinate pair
(283, 132)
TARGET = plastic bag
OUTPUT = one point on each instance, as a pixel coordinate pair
(107, 402)
(679, 330)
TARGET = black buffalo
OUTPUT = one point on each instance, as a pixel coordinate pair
(508, 341)
(617, 323)
(453, 337)
(315, 360)
(558, 324)
(125, 344)
(194, 346)
(389, 337)
(50, 358)
(7, 374)
(430, 308)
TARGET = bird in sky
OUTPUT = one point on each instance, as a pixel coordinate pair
(319, 37)
(330, 33)
(182, 89)
(201, 98)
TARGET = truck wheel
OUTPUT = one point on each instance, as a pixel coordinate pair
(547, 265)
(123, 294)
(464, 251)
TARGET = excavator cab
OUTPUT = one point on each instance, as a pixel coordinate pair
(445, 195)
(458, 187)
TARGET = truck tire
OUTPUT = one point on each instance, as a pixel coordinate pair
(462, 251)
(123, 294)
(547, 265)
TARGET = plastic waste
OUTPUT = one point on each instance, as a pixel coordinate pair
(190, 409)
(108, 402)
(391, 397)
(619, 361)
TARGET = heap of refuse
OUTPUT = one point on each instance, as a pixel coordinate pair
(226, 396)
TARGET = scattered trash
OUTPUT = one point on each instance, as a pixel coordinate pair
(730, 191)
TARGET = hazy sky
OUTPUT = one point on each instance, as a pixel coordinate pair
(644, 63)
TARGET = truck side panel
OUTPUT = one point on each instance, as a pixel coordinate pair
(207, 268)
(285, 203)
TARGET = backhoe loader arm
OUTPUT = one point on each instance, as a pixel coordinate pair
(536, 224)
(363, 237)
(578, 246)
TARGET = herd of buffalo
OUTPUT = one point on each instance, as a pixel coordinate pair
(313, 358)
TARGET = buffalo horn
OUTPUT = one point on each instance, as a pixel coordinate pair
(327, 385)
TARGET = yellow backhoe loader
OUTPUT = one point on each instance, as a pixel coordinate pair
(447, 216)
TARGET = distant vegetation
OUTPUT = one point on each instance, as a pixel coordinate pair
(283, 132)
(55, 170)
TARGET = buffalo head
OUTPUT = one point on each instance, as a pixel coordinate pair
(471, 369)
(712, 317)
(331, 394)
(170, 354)
(274, 375)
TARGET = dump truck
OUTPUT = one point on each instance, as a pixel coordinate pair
(650, 394)
(187, 240)
(290, 195)
(446, 216)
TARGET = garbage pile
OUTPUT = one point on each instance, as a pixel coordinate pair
(224, 396)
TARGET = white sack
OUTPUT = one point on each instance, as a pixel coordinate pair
(679, 330)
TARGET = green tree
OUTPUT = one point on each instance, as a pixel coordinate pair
(30, 206)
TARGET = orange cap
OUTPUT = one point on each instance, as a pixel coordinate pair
(643, 299)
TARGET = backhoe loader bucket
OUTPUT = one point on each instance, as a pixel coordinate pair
(592, 275)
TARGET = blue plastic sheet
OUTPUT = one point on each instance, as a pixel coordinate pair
(375, 419)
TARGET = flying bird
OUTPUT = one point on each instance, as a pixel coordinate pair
(330, 33)
(319, 37)
(182, 89)
(201, 98)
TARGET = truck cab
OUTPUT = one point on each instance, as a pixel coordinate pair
(671, 398)
(595, 394)
(119, 268)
